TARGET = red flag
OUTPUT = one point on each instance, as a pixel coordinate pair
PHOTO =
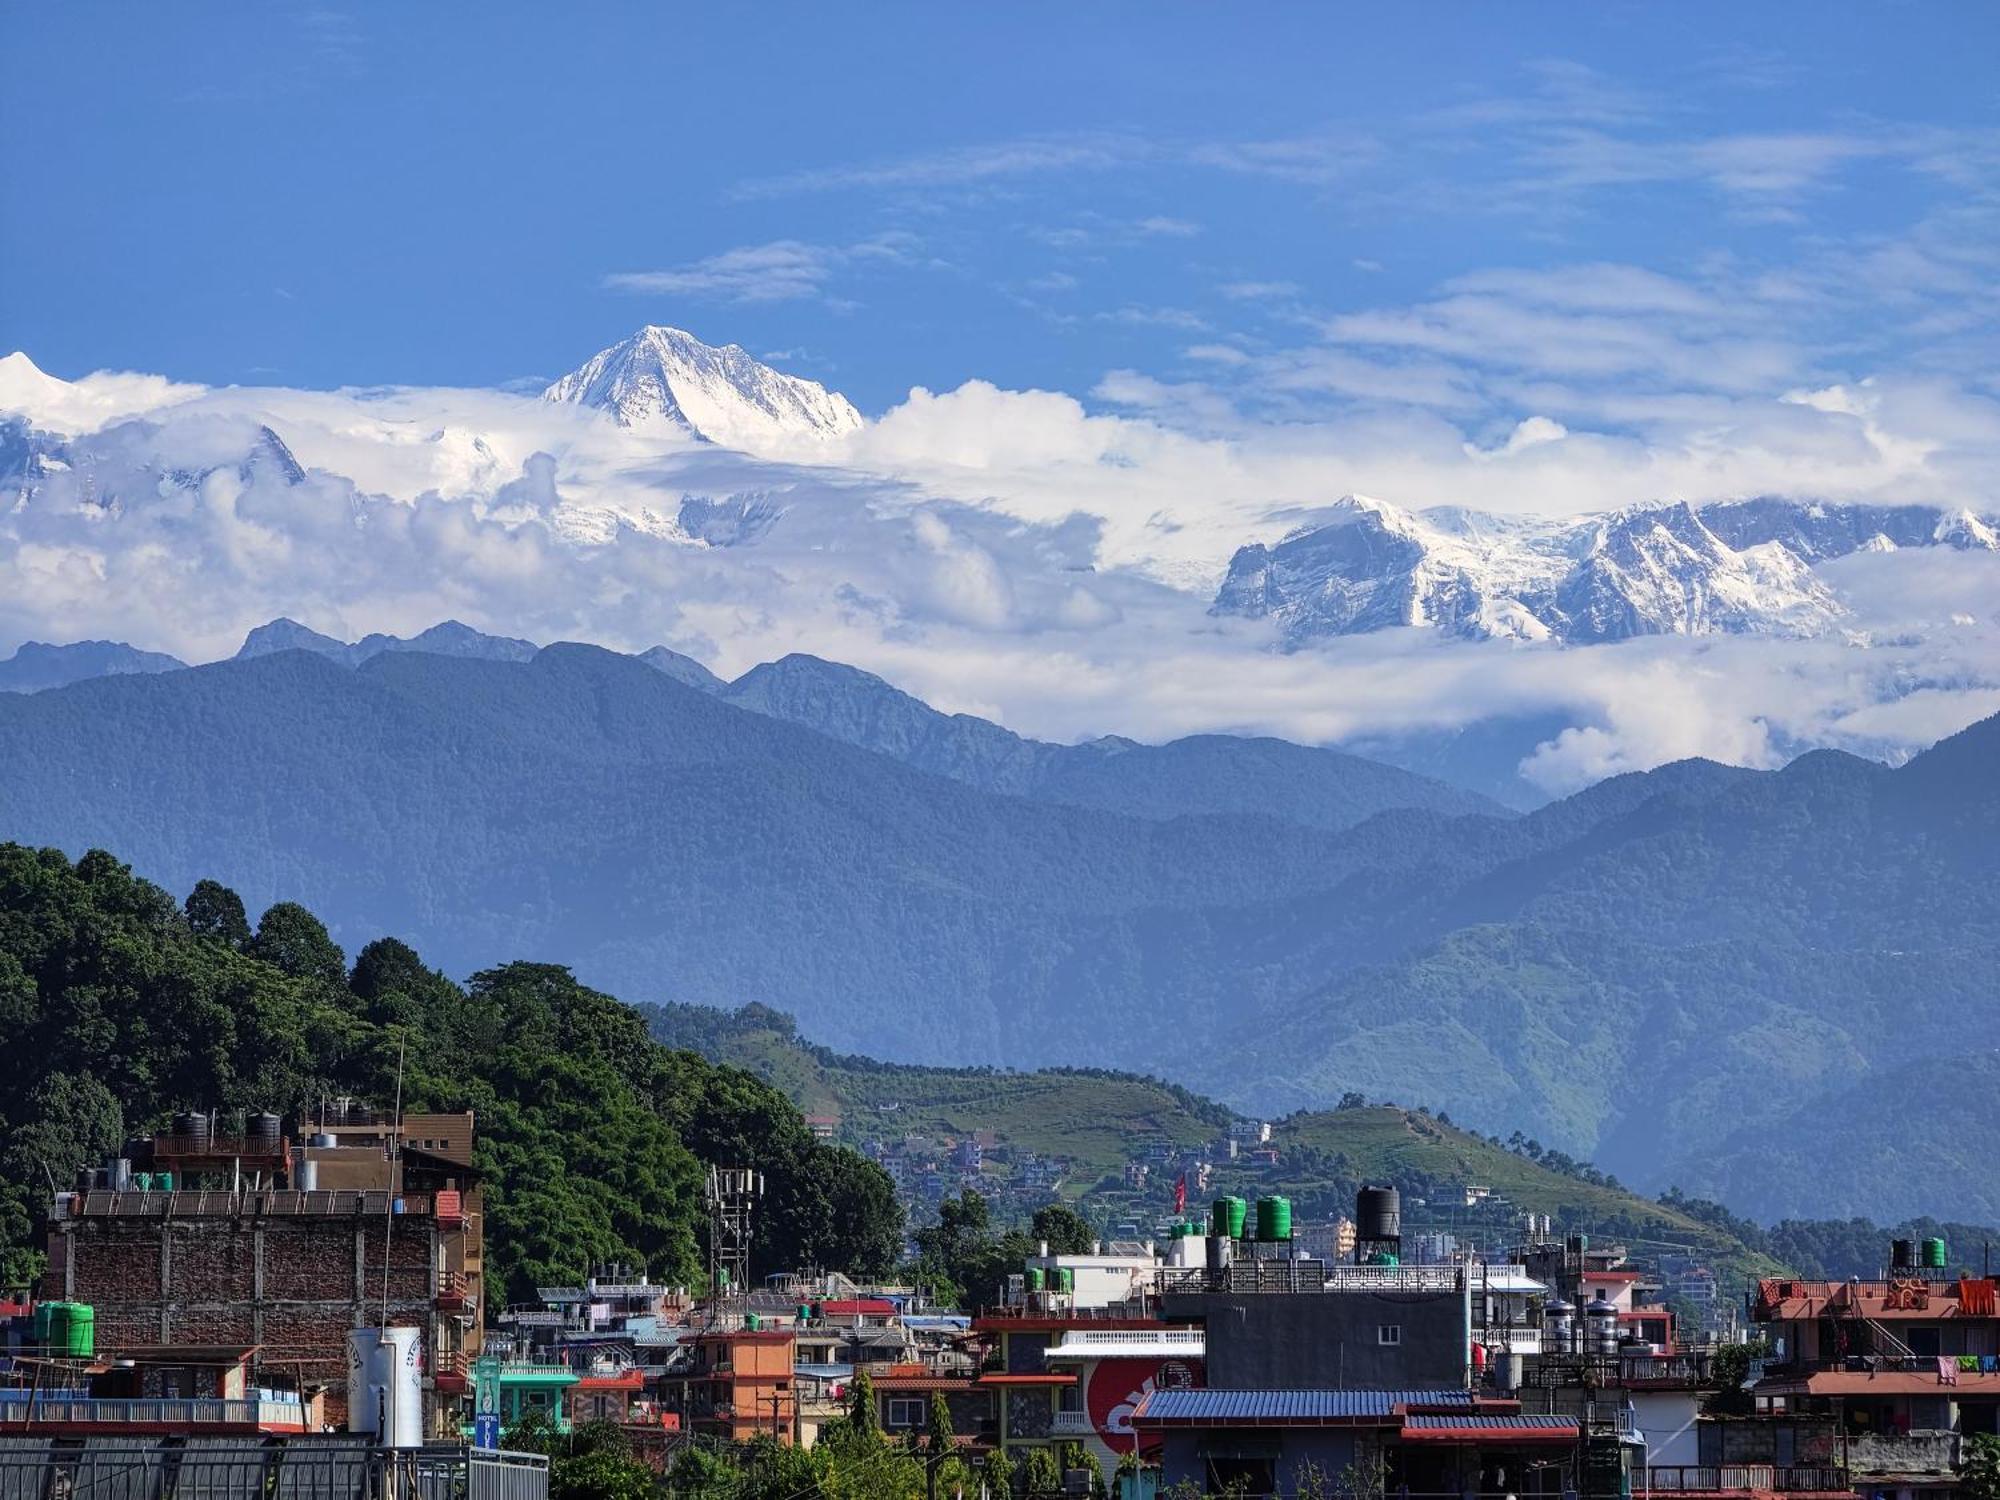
(1180, 1194)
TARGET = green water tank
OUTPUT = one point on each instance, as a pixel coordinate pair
(1274, 1220)
(163, 1181)
(1935, 1255)
(1231, 1217)
(805, 1312)
(1065, 1279)
(80, 1337)
(39, 1336)
(1035, 1279)
(1383, 1258)
(754, 1323)
(142, 1182)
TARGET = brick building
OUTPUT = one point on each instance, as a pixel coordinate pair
(231, 1252)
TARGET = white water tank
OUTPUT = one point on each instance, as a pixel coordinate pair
(385, 1385)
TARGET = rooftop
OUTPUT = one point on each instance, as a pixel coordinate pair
(1526, 1427)
(1289, 1408)
(1911, 1297)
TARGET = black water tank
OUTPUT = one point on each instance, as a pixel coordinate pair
(1378, 1214)
(1902, 1254)
(193, 1126)
(266, 1131)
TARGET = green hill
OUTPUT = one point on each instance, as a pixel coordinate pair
(1096, 1122)
(120, 1006)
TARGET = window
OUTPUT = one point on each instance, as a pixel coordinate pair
(905, 1414)
(1389, 1334)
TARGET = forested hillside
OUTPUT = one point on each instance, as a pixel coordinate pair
(120, 1005)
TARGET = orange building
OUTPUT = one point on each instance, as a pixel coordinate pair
(740, 1385)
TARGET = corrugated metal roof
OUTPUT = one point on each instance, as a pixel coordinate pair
(1220, 1406)
(1528, 1422)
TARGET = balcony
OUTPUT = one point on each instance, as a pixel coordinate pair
(1134, 1343)
(1071, 1424)
(1634, 1371)
(1713, 1479)
(22, 1409)
(450, 1376)
(454, 1292)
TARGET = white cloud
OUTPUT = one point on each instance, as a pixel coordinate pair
(1258, 291)
(781, 271)
(959, 165)
(86, 404)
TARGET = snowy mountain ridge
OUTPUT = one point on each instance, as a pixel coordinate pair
(1729, 568)
(667, 378)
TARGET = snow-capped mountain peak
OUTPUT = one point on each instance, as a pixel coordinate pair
(667, 378)
(1740, 567)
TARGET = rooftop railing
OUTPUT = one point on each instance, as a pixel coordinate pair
(1678, 1479)
(27, 1408)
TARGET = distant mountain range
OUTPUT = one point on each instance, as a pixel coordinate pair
(1731, 568)
(449, 639)
(1203, 773)
(1671, 973)
(667, 378)
(36, 665)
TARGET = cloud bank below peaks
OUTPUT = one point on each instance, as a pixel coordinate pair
(1016, 554)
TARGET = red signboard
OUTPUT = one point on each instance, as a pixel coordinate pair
(1117, 1386)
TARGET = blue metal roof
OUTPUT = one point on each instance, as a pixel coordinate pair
(1222, 1408)
(1526, 1422)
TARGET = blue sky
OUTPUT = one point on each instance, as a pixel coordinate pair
(1474, 208)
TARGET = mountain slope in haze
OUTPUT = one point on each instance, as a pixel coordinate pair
(668, 378)
(588, 808)
(1638, 972)
(1199, 774)
(1630, 975)
(36, 665)
(1736, 568)
(1865, 1126)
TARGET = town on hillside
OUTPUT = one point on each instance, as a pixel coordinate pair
(254, 1306)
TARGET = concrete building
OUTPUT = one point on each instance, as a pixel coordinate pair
(737, 1385)
(1419, 1442)
(1897, 1373)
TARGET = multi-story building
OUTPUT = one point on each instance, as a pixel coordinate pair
(737, 1385)
(201, 1239)
(1897, 1372)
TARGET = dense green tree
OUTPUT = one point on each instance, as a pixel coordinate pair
(294, 941)
(1063, 1229)
(66, 1121)
(1040, 1473)
(1979, 1472)
(937, 1427)
(864, 1422)
(213, 910)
